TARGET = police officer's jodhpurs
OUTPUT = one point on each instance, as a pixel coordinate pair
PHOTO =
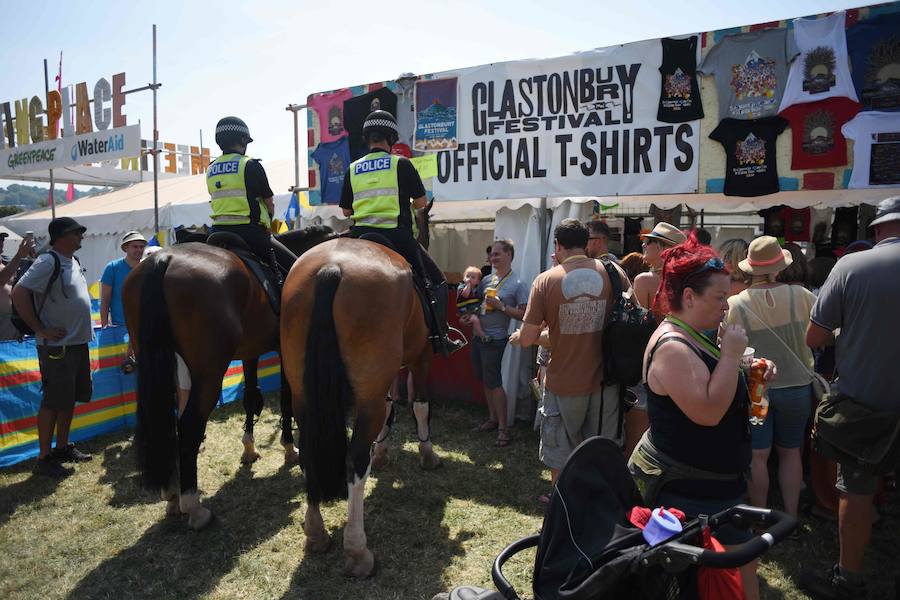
(261, 243)
(422, 263)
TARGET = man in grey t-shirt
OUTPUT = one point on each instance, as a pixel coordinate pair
(859, 298)
(59, 311)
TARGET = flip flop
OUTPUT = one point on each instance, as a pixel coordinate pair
(503, 438)
(488, 425)
(544, 499)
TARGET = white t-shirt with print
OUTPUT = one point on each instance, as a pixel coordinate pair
(876, 149)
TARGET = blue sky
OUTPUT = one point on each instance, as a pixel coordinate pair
(251, 59)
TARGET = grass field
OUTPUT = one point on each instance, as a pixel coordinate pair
(98, 535)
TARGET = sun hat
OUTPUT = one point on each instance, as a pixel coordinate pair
(60, 226)
(669, 235)
(765, 257)
(888, 210)
(132, 236)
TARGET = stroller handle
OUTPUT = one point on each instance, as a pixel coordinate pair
(502, 583)
(780, 526)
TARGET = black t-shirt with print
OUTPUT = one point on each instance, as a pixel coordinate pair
(750, 166)
(356, 110)
(679, 95)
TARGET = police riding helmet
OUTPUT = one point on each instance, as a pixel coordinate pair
(384, 123)
(231, 131)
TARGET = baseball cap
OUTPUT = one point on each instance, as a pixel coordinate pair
(888, 210)
(63, 225)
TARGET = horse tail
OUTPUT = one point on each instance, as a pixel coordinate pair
(328, 397)
(155, 435)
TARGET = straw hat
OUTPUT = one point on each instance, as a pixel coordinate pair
(888, 210)
(132, 236)
(765, 257)
(669, 235)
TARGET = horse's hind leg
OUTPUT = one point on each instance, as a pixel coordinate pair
(422, 411)
(291, 456)
(191, 429)
(253, 404)
(380, 455)
(360, 562)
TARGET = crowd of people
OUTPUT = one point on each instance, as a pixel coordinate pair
(691, 414)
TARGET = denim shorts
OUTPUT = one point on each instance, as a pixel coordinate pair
(785, 425)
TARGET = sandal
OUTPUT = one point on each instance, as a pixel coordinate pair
(488, 425)
(503, 438)
(128, 365)
(544, 499)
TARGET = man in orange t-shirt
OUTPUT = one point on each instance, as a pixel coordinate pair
(573, 301)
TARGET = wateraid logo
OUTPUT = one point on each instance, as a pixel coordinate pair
(75, 152)
(86, 148)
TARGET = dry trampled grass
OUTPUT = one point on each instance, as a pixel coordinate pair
(98, 535)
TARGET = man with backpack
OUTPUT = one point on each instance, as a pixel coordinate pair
(8, 331)
(52, 299)
(573, 300)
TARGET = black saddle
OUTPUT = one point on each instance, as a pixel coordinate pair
(265, 273)
(378, 239)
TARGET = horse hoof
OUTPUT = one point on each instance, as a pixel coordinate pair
(199, 518)
(380, 460)
(291, 457)
(360, 565)
(430, 461)
(172, 508)
(249, 458)
(318, 545)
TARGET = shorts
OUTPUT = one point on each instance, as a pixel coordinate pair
(853, 480)
(728, 535)
(566, 421)
(785, 425)
(487, 358)
(65, 376)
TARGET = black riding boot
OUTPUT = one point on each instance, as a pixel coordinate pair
(440, 340)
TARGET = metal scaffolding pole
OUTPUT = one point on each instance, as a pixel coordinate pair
(154, 86)
(296, 108)
(52, 186)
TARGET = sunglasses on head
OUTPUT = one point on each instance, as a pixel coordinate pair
(713, 264)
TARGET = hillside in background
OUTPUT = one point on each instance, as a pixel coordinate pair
(30, 197)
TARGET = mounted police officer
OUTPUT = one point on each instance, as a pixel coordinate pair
(381, 193)
(240, 196)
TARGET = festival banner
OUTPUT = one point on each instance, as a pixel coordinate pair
(111, 144)
(436, 115)
(578, 125)
(112, 404)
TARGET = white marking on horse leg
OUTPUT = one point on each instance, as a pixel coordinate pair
(427, 458)
(360, 561)
(182, 383)
(250, 454)
(198, 516)
(291, 455)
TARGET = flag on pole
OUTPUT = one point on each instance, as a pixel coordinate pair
(293, 210)
(70, 192)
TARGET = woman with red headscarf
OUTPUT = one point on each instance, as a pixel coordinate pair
(697, 399)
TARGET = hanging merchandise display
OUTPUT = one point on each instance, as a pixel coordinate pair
(356, 110)
(679, 95)
(874, 48)
(876, 149)
(750, 165)
(821, 69)
(330, 110)
(750, 71)
(436, 115)
(817, 141)
(333, 159)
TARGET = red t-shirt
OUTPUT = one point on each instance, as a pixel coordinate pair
(816, 132)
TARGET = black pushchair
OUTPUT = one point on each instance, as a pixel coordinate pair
(588, 549)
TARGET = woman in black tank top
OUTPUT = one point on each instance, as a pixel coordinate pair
(697, 399)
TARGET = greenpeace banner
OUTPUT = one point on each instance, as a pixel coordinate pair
(578, 125)
(111, 144)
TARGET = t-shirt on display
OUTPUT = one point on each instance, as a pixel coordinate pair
(750, 70)
(750, 165)
(679, 95)
(333, 159)
(817, 141)
(876, 149)
(874, 48)
(821, 69)
(330, 110)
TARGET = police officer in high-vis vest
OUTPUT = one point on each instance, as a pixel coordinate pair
(240, 196)
(381, 192)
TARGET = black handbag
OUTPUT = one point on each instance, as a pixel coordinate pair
(851, 433)
(625, 335)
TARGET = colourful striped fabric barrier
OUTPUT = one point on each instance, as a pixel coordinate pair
(112, 406)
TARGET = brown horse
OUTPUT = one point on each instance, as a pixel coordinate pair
(351, 319)
(203, 303)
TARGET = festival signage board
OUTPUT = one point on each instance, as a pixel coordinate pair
(111, 144)
(578, 125)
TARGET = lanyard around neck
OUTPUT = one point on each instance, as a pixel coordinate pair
(502, 281)
(701, 339)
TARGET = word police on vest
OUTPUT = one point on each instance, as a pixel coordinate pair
(223, 168)
(376, 164)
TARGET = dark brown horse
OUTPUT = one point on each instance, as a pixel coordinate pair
(204, 304)
(351, 319)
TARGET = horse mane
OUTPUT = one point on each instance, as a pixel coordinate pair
(301, 240)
